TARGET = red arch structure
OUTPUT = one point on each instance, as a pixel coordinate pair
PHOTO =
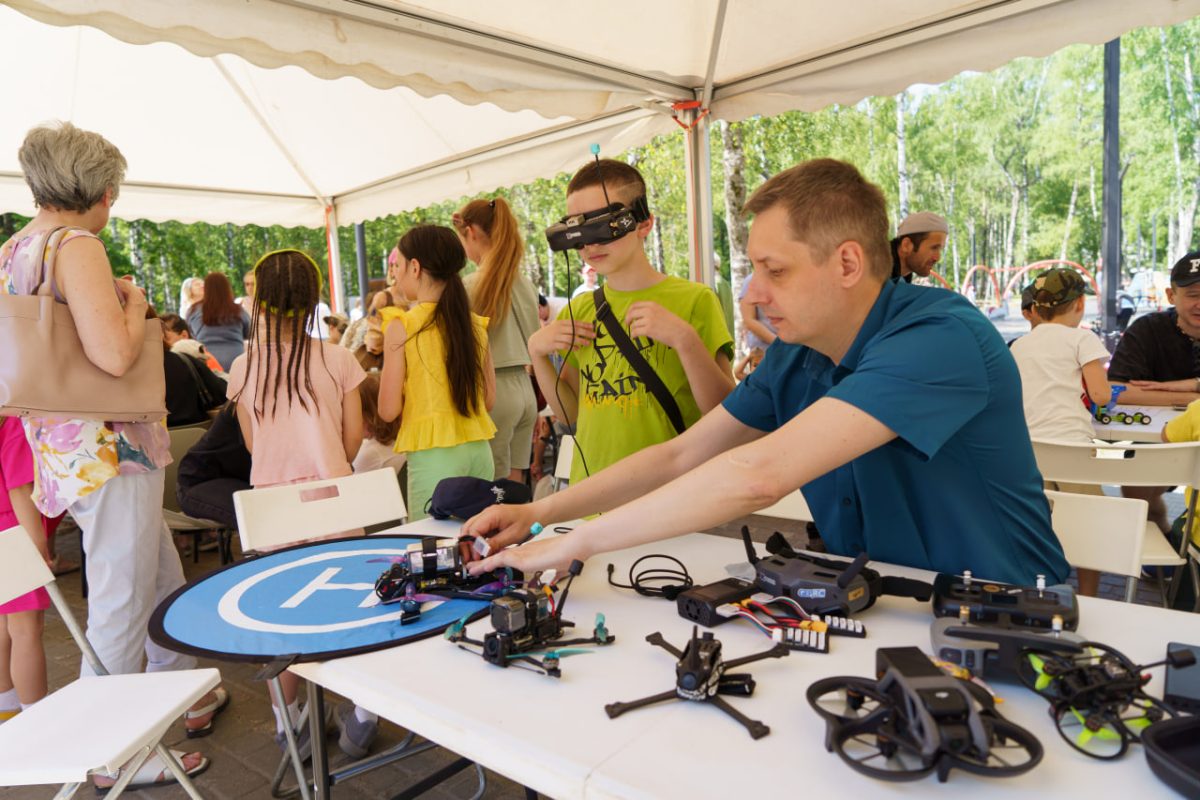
(1046, 265)
(991, 276)
(941, 280)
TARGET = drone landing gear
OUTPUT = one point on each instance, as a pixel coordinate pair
(700, 675)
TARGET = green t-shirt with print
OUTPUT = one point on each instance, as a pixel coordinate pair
(617, 414)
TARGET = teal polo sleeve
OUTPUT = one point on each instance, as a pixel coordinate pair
(924, 380)
(752, 402)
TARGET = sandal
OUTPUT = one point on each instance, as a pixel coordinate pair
(155, 773)
(220, 700)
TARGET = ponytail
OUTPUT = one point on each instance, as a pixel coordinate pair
(499, 267)
(441, 255)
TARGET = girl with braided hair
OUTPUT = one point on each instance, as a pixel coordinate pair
(297, 405)
(437, 368)
(501, 292)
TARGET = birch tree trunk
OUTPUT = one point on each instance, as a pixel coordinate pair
(1062, 253)
(733, 162)
(901, 155)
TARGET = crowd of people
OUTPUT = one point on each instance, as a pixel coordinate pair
(446, 376)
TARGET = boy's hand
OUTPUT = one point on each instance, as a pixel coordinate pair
(536, 556)
(501, 525)
(559, 336)
(647, 318)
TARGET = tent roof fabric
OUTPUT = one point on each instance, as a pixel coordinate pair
(266, 111)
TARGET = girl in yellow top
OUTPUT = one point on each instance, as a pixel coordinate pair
(437, 368)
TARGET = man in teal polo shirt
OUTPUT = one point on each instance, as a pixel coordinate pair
(897, 409)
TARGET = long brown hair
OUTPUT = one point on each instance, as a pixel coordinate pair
(373, 426)
(218, 306)
(442, 257)
(287, 288)
(493, 294)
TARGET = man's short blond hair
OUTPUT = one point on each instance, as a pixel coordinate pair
(829, 202)
(69, 169)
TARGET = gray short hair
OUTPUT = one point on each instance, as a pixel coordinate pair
(68, 168)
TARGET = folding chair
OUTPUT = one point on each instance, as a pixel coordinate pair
(562, 466)
(281, 515)
(1102, 533)
(793, 506)
(1130, 465)
(182, 440)
(57, 739)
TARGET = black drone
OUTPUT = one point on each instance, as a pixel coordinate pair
(1097, 696)
(526, 619)
(432, 570)
(700, 675)
(916, 719)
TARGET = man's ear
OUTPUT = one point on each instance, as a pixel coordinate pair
(1171, 295)
(905, 248)
(852, 263)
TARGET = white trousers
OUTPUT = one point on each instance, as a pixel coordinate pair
(132, 565)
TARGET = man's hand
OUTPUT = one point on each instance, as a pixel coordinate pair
(536, 556)
(501, 524)
(647, 318)
(560, 335)
(1183, 385)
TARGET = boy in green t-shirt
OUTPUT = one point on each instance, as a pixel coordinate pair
(677, 326)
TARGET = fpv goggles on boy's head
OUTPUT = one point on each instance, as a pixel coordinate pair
(597, 227)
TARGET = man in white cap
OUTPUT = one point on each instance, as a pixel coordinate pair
(918, 245)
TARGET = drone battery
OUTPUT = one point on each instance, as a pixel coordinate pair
(844, 626)
(441, 555)
(518, 611)
(700, 604)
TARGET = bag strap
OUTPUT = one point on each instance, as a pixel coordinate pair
(650, 379)
(206, 398)
(49, 248)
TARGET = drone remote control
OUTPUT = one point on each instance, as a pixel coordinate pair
(988, 602)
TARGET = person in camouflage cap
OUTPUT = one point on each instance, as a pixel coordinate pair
(1056, 291)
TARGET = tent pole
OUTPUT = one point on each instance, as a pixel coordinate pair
(360, 255)
(1111, 231)
(336, 300)
(698, 164)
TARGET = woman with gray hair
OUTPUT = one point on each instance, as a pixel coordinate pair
(109, 475)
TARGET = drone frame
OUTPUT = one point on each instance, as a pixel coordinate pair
(1094, 690)
(920, 720)
(501, 649)
(709, 690)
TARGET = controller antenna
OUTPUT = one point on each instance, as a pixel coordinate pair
(851, 572)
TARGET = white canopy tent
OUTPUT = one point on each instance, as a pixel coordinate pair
(335, 111)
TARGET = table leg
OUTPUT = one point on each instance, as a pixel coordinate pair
(316, 731)
(289, 734)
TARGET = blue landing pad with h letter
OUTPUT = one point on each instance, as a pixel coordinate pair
(313, 601)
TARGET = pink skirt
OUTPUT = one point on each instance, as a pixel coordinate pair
(38, 599)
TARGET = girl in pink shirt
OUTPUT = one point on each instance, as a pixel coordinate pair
(297, 397)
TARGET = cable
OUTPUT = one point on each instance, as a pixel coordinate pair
(642, 582)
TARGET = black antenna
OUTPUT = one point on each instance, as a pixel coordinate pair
(573, 570)
(603, 188)
(751, 556)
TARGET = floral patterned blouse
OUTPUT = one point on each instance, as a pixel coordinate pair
(75, 457)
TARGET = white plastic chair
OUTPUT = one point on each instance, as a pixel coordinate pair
(562, 466)
(282, 515)
(95, 724)
(793, 506)
(1128, 465)
(1105, 534)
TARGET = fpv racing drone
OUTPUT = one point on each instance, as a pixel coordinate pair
(1097, 696)
(916, 720)
(526, 620)
(433, 570)
(701, 675)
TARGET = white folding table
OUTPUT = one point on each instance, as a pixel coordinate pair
(553, 735)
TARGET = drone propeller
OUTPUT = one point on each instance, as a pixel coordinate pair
(456, 629)
(1039, 667)
(563, 652)
(602, 634)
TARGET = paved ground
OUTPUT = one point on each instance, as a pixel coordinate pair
(242, 749)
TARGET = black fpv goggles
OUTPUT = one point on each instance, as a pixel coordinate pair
(597, 227)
